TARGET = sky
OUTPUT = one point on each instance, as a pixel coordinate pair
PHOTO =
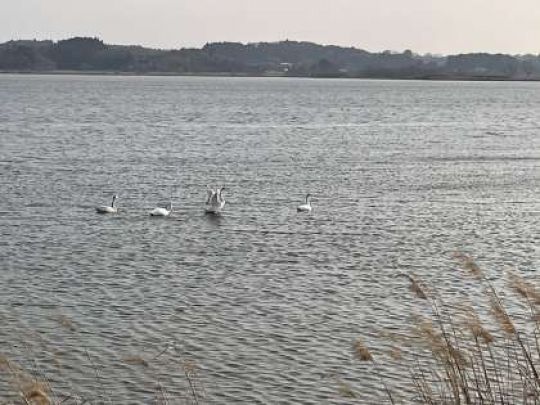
(424, 26)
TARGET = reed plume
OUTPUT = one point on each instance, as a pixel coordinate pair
(468, 263)
(525, 289)
(136, 361)
(361, 352)
(36, 393)
(477, 329)
(501, 316)
(416, 287)
(345, 389)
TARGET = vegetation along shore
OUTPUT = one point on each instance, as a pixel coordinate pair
(285, 58)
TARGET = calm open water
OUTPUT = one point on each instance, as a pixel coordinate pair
(266, 302)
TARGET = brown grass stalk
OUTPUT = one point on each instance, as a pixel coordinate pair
(467, 363)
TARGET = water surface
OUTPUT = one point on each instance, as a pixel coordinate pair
(265, 301)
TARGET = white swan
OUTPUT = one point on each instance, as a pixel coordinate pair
(215, 201)
(305, 207)
(161, 211)
(211, 194)
(108, 209)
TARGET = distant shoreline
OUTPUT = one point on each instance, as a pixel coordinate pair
(92, 56)
(446, 78)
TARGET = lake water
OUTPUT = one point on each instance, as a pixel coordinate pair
(266, 302)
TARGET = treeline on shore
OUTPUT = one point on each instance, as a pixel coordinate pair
(285, 58)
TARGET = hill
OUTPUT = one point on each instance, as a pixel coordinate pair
(285, 58)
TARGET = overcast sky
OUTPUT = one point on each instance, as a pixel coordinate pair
(436, 26)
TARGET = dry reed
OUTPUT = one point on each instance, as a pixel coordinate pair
(29, 387)
(476, 328)
(136, 361)
(345, 390)
(525, 289)
(461, 361)
(361, 352)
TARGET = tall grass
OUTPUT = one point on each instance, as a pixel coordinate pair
(460, 357)
(31, 386)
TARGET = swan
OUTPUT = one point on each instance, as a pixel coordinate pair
(161, 211)
(106, 209)
(305, 207)
(215, 201)
(210, 193)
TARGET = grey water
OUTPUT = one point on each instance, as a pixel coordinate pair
(264, 302)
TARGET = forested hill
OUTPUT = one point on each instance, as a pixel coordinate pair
(286, 58)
